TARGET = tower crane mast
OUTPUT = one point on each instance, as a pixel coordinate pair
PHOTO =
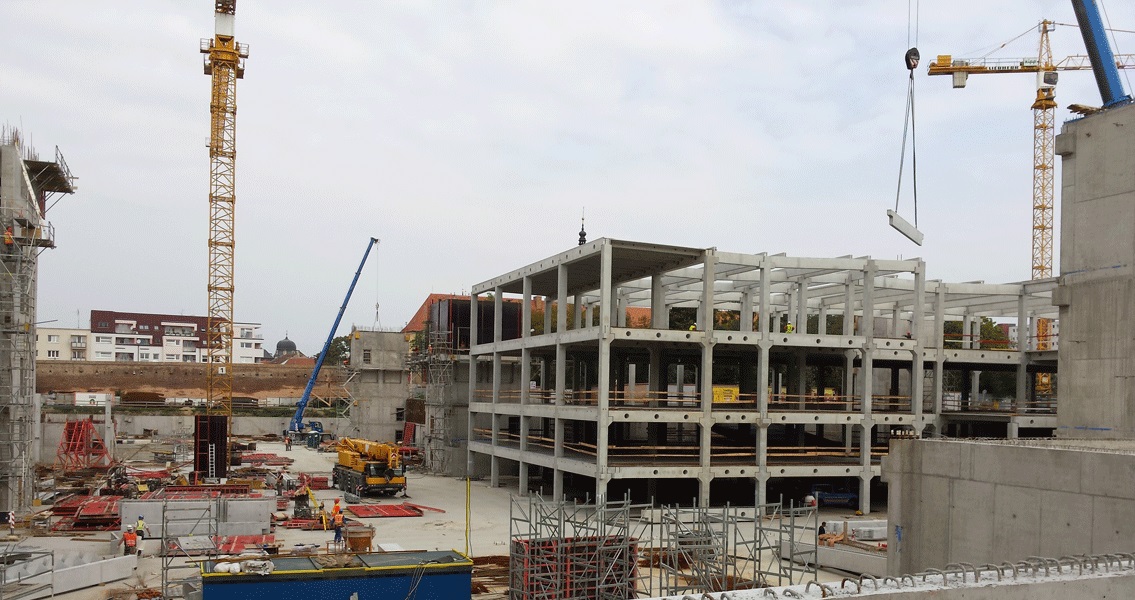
(1044, 158)
(224, 63)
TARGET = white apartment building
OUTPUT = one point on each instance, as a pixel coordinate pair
(143, 337)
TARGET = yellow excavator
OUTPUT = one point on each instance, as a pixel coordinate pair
(368, 468)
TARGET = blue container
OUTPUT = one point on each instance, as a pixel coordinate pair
(373, 576)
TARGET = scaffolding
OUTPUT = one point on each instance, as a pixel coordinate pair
(439, 373)
(189, 530)
(561, 550)
(26, 573)
(24, 201)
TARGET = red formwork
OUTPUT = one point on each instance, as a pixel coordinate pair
(265, 459)
(235, 544)
(574, 567)
(315, 482)
(385, 510)
(81, 447)
(91, 513)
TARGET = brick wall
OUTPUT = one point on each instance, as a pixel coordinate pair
(177, 380)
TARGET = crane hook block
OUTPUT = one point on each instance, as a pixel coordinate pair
(912, 57)
(904, 227)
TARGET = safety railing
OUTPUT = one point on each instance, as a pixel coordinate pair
(1039, 406)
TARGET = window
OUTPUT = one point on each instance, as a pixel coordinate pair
(104, 324)
(102, 354)
(400, 414)
(171, 357)
(246, 344)
(102, 339)
(366, 357)
(144, 327)
(53, 354)
(52, 338)
(78, 339)
(78, 355)
(144, 355)
(392, 377)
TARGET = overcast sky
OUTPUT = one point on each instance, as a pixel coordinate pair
(468, 136)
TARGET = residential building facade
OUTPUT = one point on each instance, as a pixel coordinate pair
(143, 337)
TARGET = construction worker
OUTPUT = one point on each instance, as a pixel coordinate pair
(129, 541)
(9, 240)
(11, 522)
(288, 443)
(336, 509)
(823, 528)
(789, 328)
(140, 528)
(693, 326)
(338, 520)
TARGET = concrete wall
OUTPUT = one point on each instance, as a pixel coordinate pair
(978, 502)
(175, 380)
(1097, 276)
(381, 385)
(235, 516)
(180, 426)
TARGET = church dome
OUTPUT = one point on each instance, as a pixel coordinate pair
(285, 346)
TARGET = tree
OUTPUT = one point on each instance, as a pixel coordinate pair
(339, 351)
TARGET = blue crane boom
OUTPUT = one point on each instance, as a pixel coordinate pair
(1099, 52)
(297, 419)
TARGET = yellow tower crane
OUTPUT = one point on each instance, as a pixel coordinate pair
(224, 62)
(1044, 158)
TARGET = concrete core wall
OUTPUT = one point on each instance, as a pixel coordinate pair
(987, 502)
(1097, 276)
(380, 386)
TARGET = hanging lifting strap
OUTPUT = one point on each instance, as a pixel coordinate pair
(902, 225)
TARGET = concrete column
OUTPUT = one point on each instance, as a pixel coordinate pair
(557, 484)
(709, 275)
(621, 307)
(849, 305)
(523, 469)
(1022, 395)
(601, 488)
(561, 328)
(791, 308)
(896, 314)
(762, 489)
(604, 403)
(1014, 431)
(765, 317)
(547, 315)
(655, 379)
(526, 308)
(848, 376)
(865, 494)
(37, 431)
(746, 311)
(472, 380)
(917, 316)
(869, 333)
(109, 439)
(822, 320)
(659, 319)
(498, 314)
(703, 489)
(763, 378)
(802, 306)
(578, 311)
(762, 447)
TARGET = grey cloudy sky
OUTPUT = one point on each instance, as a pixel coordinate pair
(469, 135)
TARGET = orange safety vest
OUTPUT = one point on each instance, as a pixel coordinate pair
(338, 519)
(130, 539)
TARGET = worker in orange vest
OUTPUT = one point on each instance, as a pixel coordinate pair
(129, 541)
(338, 527)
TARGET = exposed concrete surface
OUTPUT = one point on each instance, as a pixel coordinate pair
(980, 502)
(1097, 276)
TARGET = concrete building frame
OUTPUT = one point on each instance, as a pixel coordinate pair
(591, 415)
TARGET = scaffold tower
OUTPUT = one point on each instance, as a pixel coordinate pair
(29, 186)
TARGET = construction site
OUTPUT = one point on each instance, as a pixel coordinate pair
(617, 419)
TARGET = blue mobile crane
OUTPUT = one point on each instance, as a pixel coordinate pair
(1099, 53)
(297, 430)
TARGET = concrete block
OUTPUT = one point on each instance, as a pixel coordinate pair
(941, 458)
(1016, 523)
(971, 521)
(1108, 475)
(1066, 523)
(928, 525)
(1113, 525)
(1023, 466)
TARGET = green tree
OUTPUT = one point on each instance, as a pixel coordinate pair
(339, 352)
